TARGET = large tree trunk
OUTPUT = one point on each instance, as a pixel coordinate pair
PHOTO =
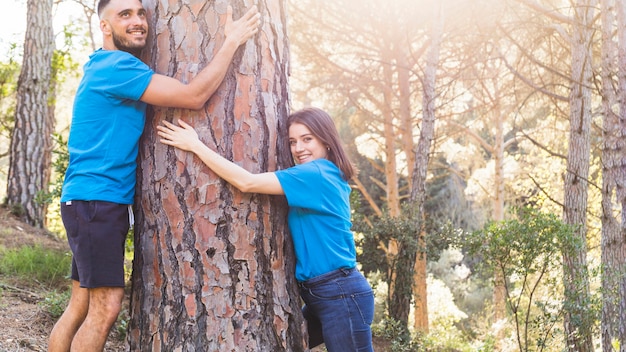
(214, 267)
(31, 140)
(578, 322)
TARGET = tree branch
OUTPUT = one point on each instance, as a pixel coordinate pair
(546, 11)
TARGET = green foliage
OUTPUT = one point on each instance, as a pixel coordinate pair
(60, 161)
(9, 72)
(17, 209)
(397, 334)
(399, 268)
(121, 325)
(527, 251)
(62, 61)
(54, 302)
(35, 264)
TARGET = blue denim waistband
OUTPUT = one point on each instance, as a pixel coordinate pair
(343, 272)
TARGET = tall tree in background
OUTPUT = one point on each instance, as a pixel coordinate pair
(577, 32)
(620, 237)
(213, 267)
(31, 139)
(613, 175)
(578, 320)
(420, 163)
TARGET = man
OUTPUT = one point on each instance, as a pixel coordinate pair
(108, 118)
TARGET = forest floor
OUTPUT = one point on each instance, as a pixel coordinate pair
(25, 324)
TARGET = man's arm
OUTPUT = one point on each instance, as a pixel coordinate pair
(170, 92)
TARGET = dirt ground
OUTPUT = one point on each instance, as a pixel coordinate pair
(24, 325)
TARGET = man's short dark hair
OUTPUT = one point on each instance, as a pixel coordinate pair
(101, 5)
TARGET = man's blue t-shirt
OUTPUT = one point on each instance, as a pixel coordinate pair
(319, 218)
(107, 121)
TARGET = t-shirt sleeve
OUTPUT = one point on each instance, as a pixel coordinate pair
(302, 185)
(132, 78)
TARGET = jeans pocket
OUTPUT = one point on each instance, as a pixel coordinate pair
(326, 291)
(364, 302)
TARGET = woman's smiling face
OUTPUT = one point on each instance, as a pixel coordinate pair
(304, 145)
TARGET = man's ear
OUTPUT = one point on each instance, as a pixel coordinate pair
(105, 27)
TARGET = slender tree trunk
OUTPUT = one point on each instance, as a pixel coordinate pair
(578, 322)
(614, 147)
(406, 117)
(391, 186)
(420, 168)
(499, 290)
(31, 140)
(620, 243)
(214, 267)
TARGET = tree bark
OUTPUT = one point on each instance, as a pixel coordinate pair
(420, 168)
(214, 267)
(577, 321)
(619, 244)
(31, 140)
(613, 149)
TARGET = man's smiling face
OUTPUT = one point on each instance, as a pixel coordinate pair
(126, 24)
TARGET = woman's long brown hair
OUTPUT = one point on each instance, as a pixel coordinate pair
(323, 127)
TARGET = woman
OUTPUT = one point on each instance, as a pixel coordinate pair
(339, 302)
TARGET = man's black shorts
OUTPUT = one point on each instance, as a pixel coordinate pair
(96, 232)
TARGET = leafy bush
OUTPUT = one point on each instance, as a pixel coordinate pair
(526, 251)
(55, 302)
(397, 334)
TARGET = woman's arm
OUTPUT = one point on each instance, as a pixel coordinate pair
(185, 137)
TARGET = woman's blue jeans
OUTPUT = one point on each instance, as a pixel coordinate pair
(339, 309)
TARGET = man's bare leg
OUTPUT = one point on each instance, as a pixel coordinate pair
(105, 304)
(65, 328)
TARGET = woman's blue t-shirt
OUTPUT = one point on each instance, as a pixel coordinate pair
(107, 122)
(319, 218)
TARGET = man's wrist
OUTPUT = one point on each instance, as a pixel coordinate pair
(231, 44)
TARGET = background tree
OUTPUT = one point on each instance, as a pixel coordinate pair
(575, 31)
(214, 267)
(578, 320)
(523, 250)
(420, 161)
(613, 173)
(31, 139)
(619, 244)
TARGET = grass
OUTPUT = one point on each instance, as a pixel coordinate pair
(36, 265)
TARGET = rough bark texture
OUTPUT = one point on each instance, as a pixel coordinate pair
(577, 321)
(213, 267)
(619, 244)
(31, 141)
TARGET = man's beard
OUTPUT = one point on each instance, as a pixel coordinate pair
(127, 46)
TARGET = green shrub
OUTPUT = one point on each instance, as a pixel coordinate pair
(397, 334)
(55, 302)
